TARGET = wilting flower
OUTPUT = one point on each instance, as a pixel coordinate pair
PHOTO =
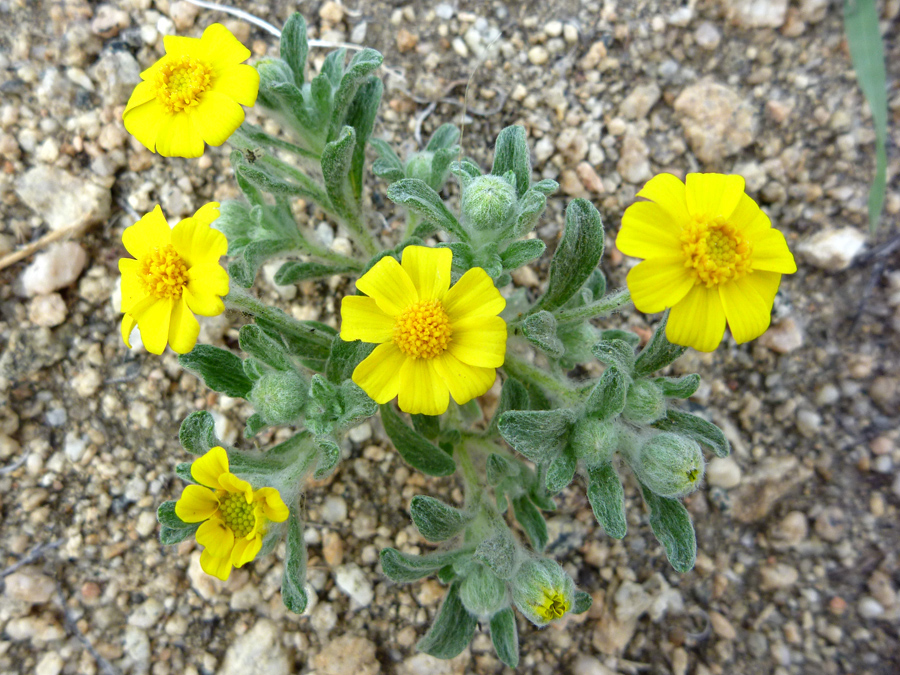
(176, 272)
(709, 253)
(192, 94)
(435, 341)
(234, 515)
(542, 590)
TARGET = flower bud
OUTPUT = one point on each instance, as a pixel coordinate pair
(669, 465)
(542, 590)
(645, 403)
(487, 201)
(483, 593)
(419, 166)
(279, 396)
(593, 441)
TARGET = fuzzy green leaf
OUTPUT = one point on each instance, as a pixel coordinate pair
(498, 550)
(221, 370)
(445, 136)
(577, 255)
(532, 522)
(294, 46)
(183, 471)
(607, 499)
(614, 352)
(680, 387)
(520, 253)
(607, 400)
(361, 116)
(257, 344)
(166, 516)
(658, 353)
(344, 358)
(537, 434)
(531, 208)
(513, 396)
(293, 272)
(511, 154)
(583, 602)
(671, 524)
(705, 433)
(293, 593)
(328, 458)
(169, 535)
(337, 159)
(452, 629)
(197, 433)
(435, 520)
(427, 425)
(540, 330)
(421, 199)
(560, 471)
(505, 637)
(354, 77)
(405, 567)
(415, 448)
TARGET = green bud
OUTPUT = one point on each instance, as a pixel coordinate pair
(487, 202)
(593, 441)
(280, 396)
(419, 166)
(669, 465)
(542, 590)
(644, 403)
(483, 593)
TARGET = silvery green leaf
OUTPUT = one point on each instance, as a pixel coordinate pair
(337, 159)
(361, 116)
(255, 424)
(498, 550)
(294, 47)
(463, 255)
(560, 471)
(405, 567)
(607, 400)
(293, 594)
(658, 353)
(243, 270)
(166, 516)
(197, 433)
(169, 536)
(705, 433)
(540, 330)
(537, 434)
(607, 499)
(680, 387)
(577, 255)
(531, 207)
(452, 629)
(520, 253)
(445, 136)
(435, 520)
(257, 344)
(505, 637)
(294, 272)
(221, 370)
(615, 352)
(633, 339)
(344, 358)
(329, 455)
(511, 154)
(546, 186)
(183, 471)
(420, 198)
(513, 396)
(414, 448)
(671, 524)
(583, 602)
(356, 74)
(440, 166)
(532, 522)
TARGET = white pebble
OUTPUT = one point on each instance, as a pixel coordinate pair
(47, 310)
(353, 581)
(334, 510)
(57, 267)
(723, 472)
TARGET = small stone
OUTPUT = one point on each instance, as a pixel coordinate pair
(347, 655)
(75, 446)
(117, 72)
(870, 608)
(831, 524)
(595, 55)
(756, 13)
(792, 529)
(572, 144)
(553, 28)
(257, 652)
(778, 576)
(146, 524)
(323, 619)
(884, 391)
(183, 14)
(829, 394)
(681, 17)
(334, 509)
(109, 20)
(354, 582)
(589, 178)
(84, 203)
(361, 433)
(425, 664)
(723, 472)
(783, 336)
(589, 665)
(332, 12)
(832, 249)
(47, 310)
(29, 585)
(760, 491)
(406, 41)
(332, 549)
(538, 55)
(634, 160)
(444, 11)
(51, 663)
(571, 184)
(722, 626)
(808, 423)
(57, 267)
(638, 103)
(813, 11)
(707, 36)
(206, 586)
(147, 614)
(717, 121)
(881, 586)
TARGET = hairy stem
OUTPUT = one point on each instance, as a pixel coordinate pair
(525, 372)
(241, 300)
(608, 303)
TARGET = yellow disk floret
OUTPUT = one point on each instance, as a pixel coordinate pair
(180, 81)
(164, 273)
(423, 330)
(715, 252)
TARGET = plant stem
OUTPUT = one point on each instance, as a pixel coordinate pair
(519, 369)
(474, 486)
(365, 241)
(249, 134)
(605, 305)
(412, 222)
(310, 188)
(241, 300)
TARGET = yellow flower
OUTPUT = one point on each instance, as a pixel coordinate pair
(709, 253)
(234, 515)
(177, 272)
(436, 341)
(192, 94)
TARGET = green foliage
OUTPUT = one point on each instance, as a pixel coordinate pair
(293, 594)
(414, 448)
(607, 499)
(435, 520)
(705, 433)
(198, 433)
(577, 255)
(505, 637)
(221, 370)
(452, 629)
(672, 526)
(173, 530)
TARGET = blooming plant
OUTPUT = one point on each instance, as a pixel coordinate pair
(433, 323)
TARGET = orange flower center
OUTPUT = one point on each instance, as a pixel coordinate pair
(180, 82)
(554, 607)
(237, 514)
(164, 273)
(715, 252)
(423, 330)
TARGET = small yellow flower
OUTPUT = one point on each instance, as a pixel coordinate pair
(709, 253)
(234, 515)
(192, 94)
(177, 272)
(435, 341)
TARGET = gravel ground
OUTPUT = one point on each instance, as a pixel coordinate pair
(798, 532)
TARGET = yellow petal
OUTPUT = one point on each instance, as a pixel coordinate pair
(216, 117)
(422, 390)
(183, 328)
(177, 46)
(143, 122)
(207, 213)
(203, 305)
(217, 567)
(232, 483)
(240, 82)
(748, 304)
(464, 381)
(658, 283)
(221, 48)
(697, 321)
(128, 324)
(196, 504)
(177, 137)
(771, 253)
(389, 285)
(472, 296)
(245, 550)
(713, 195)
(749, 219)
(131, 285)
(648, 231)
(153, 317)
(379, 373)
(479, 341)
(215, 536)
(149, 233)
(667, 191)
(207, 469)
(197, 243)
(205, 284)
(362, 319)
(273, 506)
(429, 270)
(143, 92)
